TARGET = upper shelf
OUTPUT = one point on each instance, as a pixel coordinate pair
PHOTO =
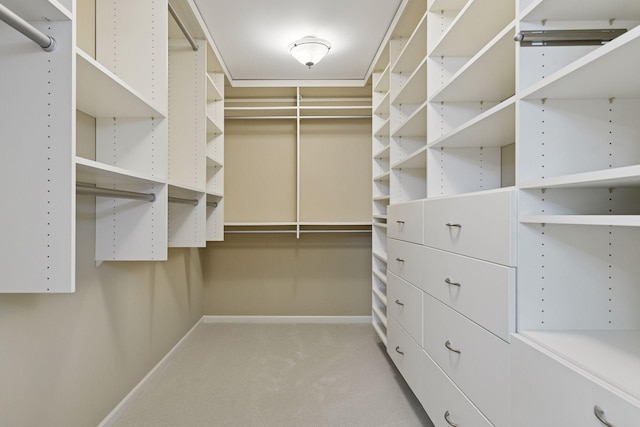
(605, 220)
(213, 93)
(92, 172)
(415, 125)
(382, 82)
(611, 71)
(474, 26)
(580, 10)
(438, 5)
(488, 76)
(414, 51)
(41, 10)
(102, 94)
(414, 90)
(628, 176)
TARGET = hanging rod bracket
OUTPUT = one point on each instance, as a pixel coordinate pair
(48, 44)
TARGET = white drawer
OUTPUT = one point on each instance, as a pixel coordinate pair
(477, 225)
(442, 398)
(406, 354)
(404, 303)
(480, 369)
(406, 260)
(547, 391)
(405, 221)
(482, 291)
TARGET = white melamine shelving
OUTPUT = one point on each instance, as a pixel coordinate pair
(381, 80)
(41, 10)
(628, 176)
(577, 10)
(92, 172)
(414, 89)
(414, 51)
(415, 160)
(606, 220)
(437, 5)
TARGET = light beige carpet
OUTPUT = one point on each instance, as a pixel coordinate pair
(281, 375)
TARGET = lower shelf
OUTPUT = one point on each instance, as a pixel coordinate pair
(611, 355)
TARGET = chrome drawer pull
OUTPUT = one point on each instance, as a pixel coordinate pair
(399, 303)
(454, 225)
(400, 222)
(448, 345)
(449, 282)
(599, 413)
(399, 260)
(399, 351)
(446, 418)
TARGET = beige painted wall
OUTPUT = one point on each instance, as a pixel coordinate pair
(275, 274)
(68, 359)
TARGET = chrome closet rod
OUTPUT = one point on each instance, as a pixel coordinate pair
(182, 27)
(568, 37)
(48, 44)
(83, 189)
(212, 204)
(180, 200)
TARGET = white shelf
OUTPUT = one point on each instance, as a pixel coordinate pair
(259, 224)
(414, 90)
(382, 83)
(380, 217)
(414, 51)
(211, 162)
(177, 189)
(628, 176)
(606, 220)
(384, 129)
(213, 93)
(215, 195)
(610, 71)
(383, 153)
(212, 127)
(381, 297)
(438, 5)
(381, 316)
(416, 160)
(381, 277)
(580, 10)
(493, 128)
(611, 355)
(415, 124)
(92, 172)
(383, 108)
(481, 79)
(41, 10)
(476, 24)
(380, 224)
(381, 198)
(102, 94)
(380, 333)
(382, 257)
(382, 177)
(337, 223)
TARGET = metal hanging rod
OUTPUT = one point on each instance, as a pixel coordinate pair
(212, 204)
(83, 189)
(182, 27)
(48, 44)
(179, 200)
(567, 37)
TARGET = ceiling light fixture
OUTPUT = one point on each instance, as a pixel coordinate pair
(309, 50)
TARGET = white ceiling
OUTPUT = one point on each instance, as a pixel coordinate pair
(252, 38)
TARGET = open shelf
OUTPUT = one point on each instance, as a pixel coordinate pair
(580, 10)
(378, 293)
(380, 276)
(380, 217)
(628, 176)
(213, 93)
(415, 125)
(382, 177)
(414, 51)
(177, 189)
(414, 90)
(381, 256)
(381, 198)
(381, 315)
(384, 129)
(493, 128)
(416, 160)
(438, 5)
(382, 82)
(611, 355)
(383, 153)
(609, 71)
(92, 172)
(212, 126)
(383, 108)
(43, 10)
(496, 83)
(211, 162)
(476, 24)
(102, 94)
(606, 220)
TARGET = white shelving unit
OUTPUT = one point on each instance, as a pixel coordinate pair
(578, 157)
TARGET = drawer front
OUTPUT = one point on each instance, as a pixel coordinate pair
(404, 303)
(406, 354)
(442, 398)
(405, 222)
(547, 391)
(478, 225)
(481, 367)
(482, 291)
(406, 260)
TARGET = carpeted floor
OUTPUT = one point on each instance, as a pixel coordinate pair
(284, 375)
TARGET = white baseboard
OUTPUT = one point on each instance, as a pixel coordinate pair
(160, 366)
(287, 319)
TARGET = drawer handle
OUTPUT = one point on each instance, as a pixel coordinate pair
(449, 282)
(399, 303)
(454, 225)
(400, 222)
(448, 345)
(399, 260)
(399, 351)
(599, 413)
(446, 418)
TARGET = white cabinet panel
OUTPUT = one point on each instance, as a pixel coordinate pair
(549, 391)
(405, 305)
(407, 260)
(441, 398)
(405, 221)
(482, 291)
(406, 354)
(476, 360)
(479, 225)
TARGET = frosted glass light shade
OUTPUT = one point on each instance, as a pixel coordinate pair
(309, 50)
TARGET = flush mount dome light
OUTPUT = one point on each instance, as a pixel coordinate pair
(309, 50)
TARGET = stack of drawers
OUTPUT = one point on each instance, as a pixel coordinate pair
(451, 300)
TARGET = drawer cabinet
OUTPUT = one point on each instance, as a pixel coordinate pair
(482, 291)
(475, 359)
(404, 303)
(478, 225)
(407, 260)
(406, 354)
(405, 222)
(548, 391)
(444, 401)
